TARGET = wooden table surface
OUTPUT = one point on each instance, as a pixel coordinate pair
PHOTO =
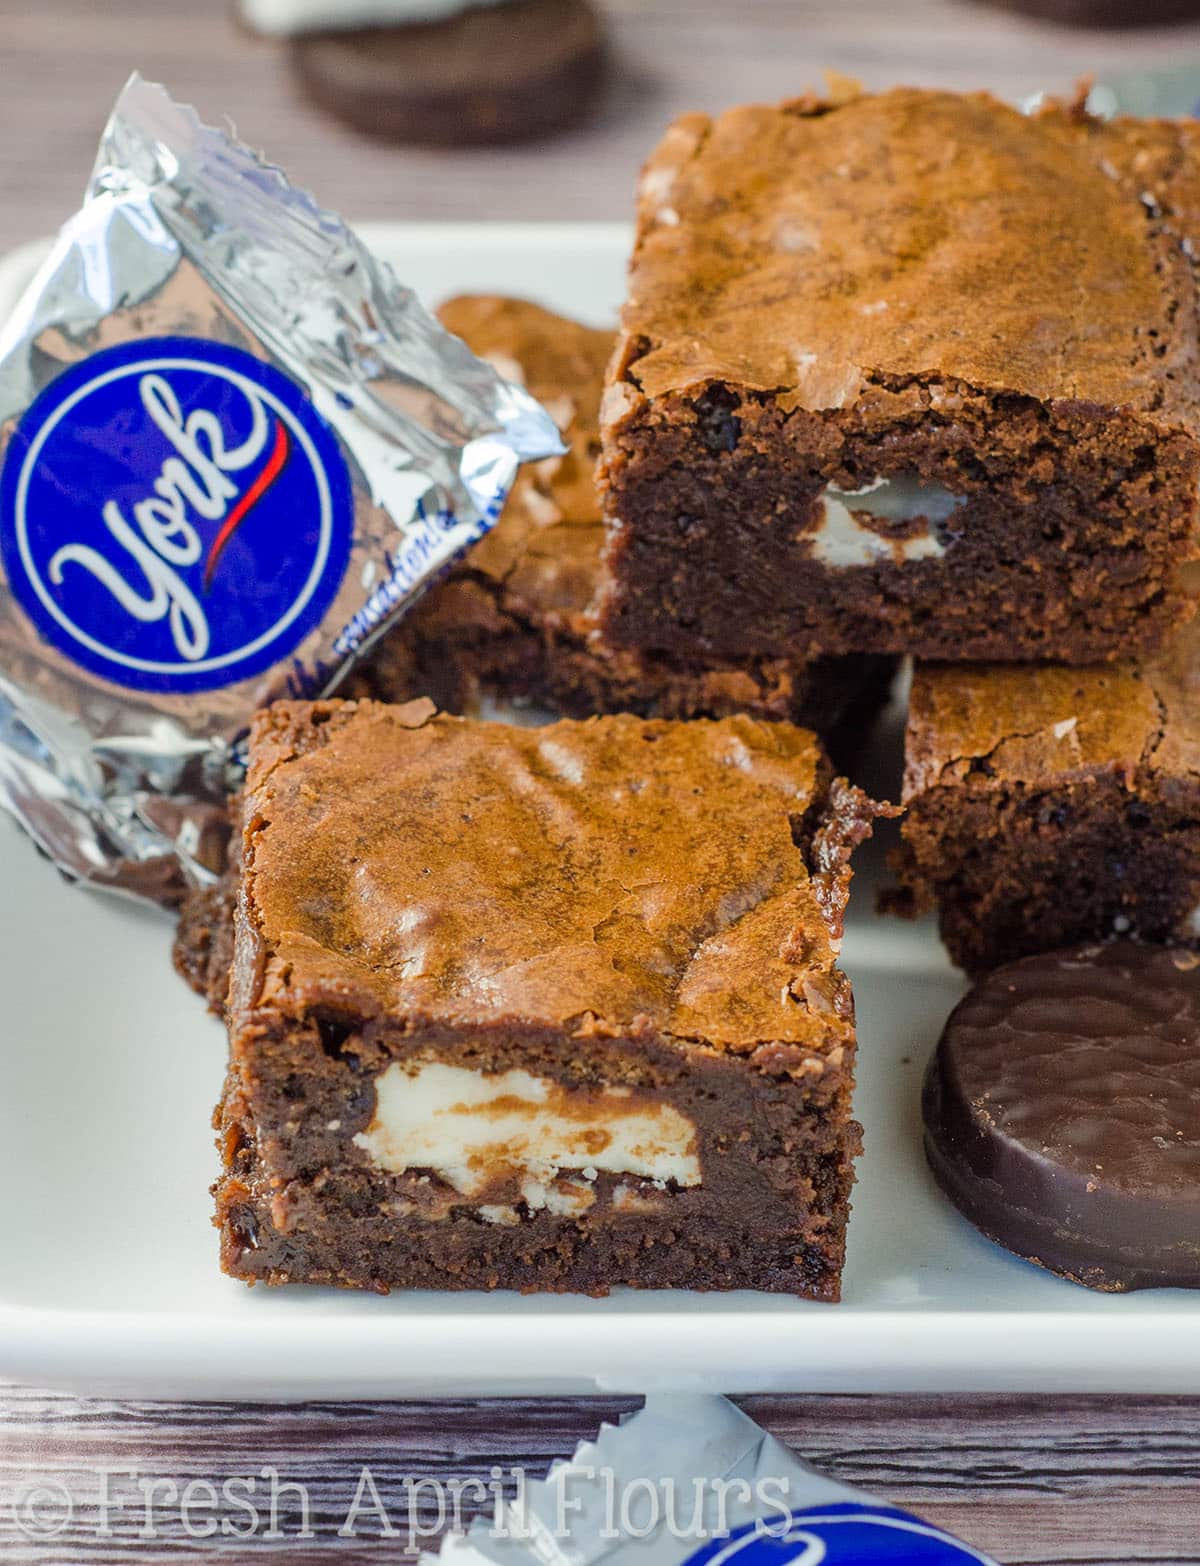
(63, 61)
(1066, 1480)
(1030, 1479)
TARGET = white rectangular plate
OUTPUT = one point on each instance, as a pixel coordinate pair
(108, 1262)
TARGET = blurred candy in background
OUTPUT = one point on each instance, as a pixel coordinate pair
(442, 72)
(526, 109)
(1105, 13)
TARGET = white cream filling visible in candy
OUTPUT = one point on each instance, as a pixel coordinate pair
(285, 18)
(854, 528)
(474, 1130)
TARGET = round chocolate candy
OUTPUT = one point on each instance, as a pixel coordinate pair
(494, 73)
(1062, 1113)
(1104, 13)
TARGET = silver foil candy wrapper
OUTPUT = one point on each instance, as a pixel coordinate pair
(235, 451)
(692, 1481)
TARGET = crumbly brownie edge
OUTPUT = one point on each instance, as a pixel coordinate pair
(203, 947)
(1068, 545)
(1015, 871)
(774, 1219)
(552, 667)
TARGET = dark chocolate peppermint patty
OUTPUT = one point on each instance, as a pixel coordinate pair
(1062, 1113)
(501, 72)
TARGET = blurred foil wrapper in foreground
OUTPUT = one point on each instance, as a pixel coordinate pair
(235, 451)
(692, 1481)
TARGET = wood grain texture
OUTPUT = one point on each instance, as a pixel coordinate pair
(63, 61)
(1100, 1481)
(1107, 1481)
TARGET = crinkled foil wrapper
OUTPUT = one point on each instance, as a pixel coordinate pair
(690, 1480)
(184, 232)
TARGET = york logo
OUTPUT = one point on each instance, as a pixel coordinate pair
(174, 515)
(841, 1534)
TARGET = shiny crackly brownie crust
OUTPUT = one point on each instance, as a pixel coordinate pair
(514, 623)
(1050, 805)
(644, 905)
(912, 285)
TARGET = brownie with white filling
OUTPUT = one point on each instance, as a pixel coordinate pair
(908, 372)
(543, 1009)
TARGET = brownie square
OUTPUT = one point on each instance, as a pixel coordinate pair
(514, 621)
(1051, 805)
(905, 373)
(544, 1009)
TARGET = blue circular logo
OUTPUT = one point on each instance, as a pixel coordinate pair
(841, 1534)
(174, 514)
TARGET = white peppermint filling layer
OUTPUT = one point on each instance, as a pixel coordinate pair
(845, 535)
(473, 1129)
(285, 18)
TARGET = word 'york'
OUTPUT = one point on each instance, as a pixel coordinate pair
(164, 542)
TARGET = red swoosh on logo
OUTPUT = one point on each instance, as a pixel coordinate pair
(274, 467)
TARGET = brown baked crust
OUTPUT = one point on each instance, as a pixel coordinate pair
(650, 905)
(763, 233)
(1158, 158)
(616, 908)
(914, 284)
(514, 622)
(1051, 805)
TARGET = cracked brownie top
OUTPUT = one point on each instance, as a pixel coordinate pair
(1002, 723)
(815, 248)
(613, 876)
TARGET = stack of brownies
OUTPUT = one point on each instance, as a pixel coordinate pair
(917, 374)
(559, 1007)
